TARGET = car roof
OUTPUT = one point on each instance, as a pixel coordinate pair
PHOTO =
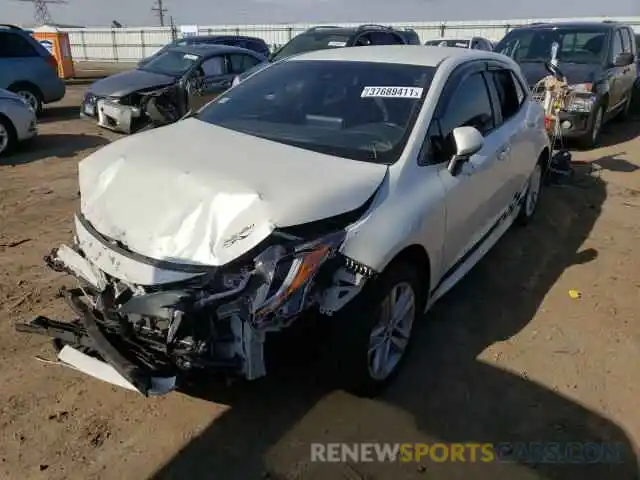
(400, 54)
(572, 24)
(203, 49)
(351, 30)
(197, 38)
(459, 39)
(332, 30)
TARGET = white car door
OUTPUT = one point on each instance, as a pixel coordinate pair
(517, 129)
(470, 210)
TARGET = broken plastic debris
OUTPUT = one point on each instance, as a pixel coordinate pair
(575, 294)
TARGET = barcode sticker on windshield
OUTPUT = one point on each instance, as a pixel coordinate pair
(337, 44)
(391, 92)
(188, 56)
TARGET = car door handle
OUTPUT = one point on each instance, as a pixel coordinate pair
(502, 154)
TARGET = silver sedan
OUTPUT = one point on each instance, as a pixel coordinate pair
(17, 121)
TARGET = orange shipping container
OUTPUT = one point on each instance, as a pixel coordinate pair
(57, 42)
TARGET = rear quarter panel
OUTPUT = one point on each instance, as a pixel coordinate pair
(21, 117)
(35, 71)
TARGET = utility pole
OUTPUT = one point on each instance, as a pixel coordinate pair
(41, 10)
(160, 11)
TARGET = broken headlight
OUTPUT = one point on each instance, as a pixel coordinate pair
(288, 275)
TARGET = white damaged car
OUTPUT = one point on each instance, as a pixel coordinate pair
(359, 183)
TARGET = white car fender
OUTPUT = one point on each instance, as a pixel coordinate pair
(415, 217)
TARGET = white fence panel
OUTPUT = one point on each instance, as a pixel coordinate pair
(132, 44)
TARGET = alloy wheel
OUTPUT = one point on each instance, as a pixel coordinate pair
(389, 338)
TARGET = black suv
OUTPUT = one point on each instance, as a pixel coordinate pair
(250, 43)
(320, 38)
(325, 37)
(600, 56)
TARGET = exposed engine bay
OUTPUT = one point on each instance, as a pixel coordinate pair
(189, 318)
(139, 110)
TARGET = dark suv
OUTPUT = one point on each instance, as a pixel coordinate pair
(319, 38)
(250, 43)
(599, 56)
(324, 37)
(28, 69)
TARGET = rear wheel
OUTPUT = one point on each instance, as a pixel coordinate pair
(8, 138)
(591, 138)
(31, 95)
(531, 196)
(624, 113)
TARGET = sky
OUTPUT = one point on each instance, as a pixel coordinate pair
(218, 12)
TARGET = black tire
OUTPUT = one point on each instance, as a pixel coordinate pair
(626, 110)
(8, 137)
(591, 138)
(531, 196)
(31, 93)
(349, 347)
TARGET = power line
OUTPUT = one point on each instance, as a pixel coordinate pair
(160, 11)
(41, 10)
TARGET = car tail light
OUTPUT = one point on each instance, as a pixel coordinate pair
(51, 60)
(548, 122)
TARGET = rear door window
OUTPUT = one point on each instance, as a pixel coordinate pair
(13, 45)
(626, 40)
(239, 63)
(384, 38)
(213, 66)
(617, 47)
(508, 95)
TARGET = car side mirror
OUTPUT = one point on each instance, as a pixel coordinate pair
(623, 59)
(468, 142)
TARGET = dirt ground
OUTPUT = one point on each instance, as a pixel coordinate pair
(507, 356)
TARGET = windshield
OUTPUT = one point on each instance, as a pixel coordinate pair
(358, 110)
(448, 43)
(171, 62)
(576, 45)
(311, 41)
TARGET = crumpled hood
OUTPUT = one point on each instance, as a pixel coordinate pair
(575, 72)
(192, 192)
(128, 82)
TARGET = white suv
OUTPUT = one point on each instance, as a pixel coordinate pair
(361, 182)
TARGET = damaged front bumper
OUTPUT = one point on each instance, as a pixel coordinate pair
(111, 115)
(127, 114)
(147, 325)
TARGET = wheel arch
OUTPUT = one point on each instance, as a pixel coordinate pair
(12, 128)
(26, 83)
(418, 256)
(544, 159)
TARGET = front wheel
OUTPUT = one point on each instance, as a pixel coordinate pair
(374, 334)
(8, 139)
(591, 138)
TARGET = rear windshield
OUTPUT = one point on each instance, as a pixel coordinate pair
(358, 110)
(448, 43)
(311, 41)
(575, 45)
